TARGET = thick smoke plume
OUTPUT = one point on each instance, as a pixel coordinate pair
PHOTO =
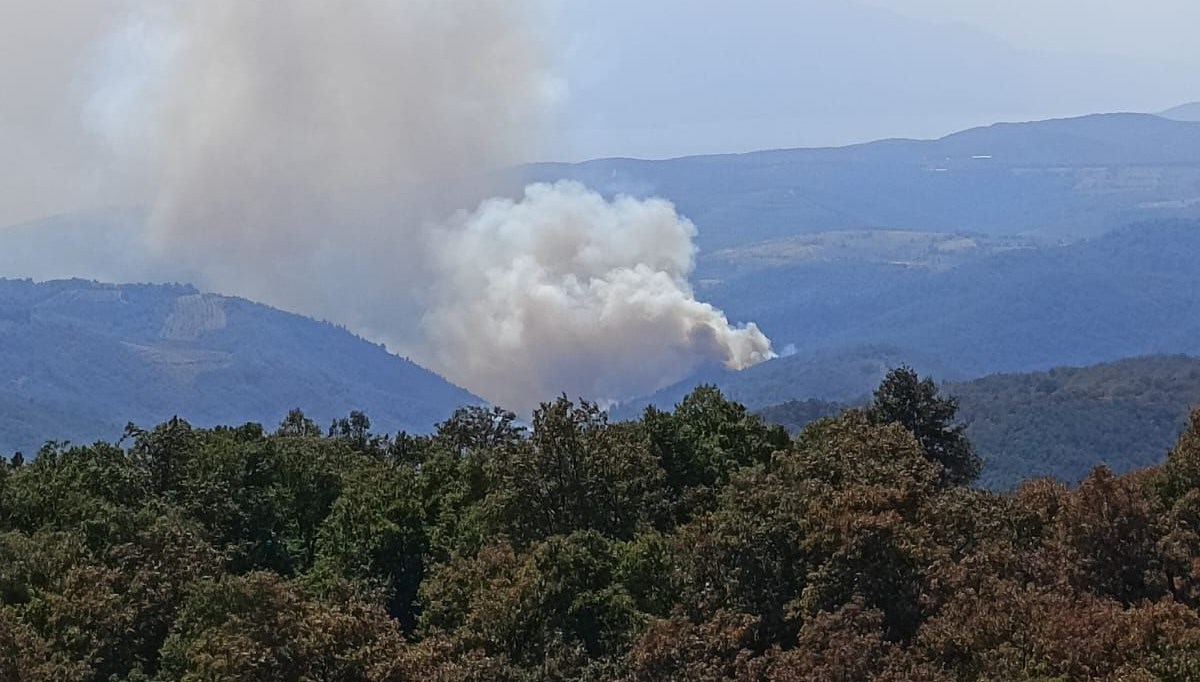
(313, 155)
(565, 291)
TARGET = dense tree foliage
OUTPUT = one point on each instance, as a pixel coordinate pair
(1061, 422)
(912, 402)
(696, 545)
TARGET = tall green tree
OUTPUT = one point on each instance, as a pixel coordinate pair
(905, 398)
(575, 472)
(703, 442)
(375, 533)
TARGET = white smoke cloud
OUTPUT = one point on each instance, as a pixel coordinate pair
(307, 154)
(564, 291)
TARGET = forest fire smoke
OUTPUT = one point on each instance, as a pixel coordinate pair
(563, 290)
(307, 154)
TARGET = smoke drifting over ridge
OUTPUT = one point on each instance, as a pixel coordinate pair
(311, 155)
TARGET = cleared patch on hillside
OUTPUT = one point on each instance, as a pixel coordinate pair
(931, 250)
(194, 315)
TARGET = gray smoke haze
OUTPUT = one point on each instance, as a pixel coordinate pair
(312, 155)
(284, 124)
(54, 160)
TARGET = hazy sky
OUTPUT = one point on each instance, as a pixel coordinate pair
(1161, 29)
(648, 78)
(673, 77)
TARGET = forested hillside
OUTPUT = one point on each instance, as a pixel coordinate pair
(696, 545)
(79, 360)
(1063, 422)
(840, 324)
(1132, 292)
(842, 375)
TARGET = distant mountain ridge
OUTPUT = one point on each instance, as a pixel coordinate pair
(79, 359)
(1062, 179)
(1069, 178)
(1183, 112)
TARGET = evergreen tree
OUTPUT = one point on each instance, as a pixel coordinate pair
(905, 398)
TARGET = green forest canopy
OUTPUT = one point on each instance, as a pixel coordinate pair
(695, 545)
(1061, 422)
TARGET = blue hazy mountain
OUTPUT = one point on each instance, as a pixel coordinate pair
(78, 360)
(1134, 291)
(1067, 178)
(1043, 181)
(1183, 112)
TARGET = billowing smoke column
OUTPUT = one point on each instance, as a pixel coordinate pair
(313, 155)
(303, 144)
(565, 291)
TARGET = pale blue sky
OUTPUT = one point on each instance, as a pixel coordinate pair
(671, 77)
(1162, 29)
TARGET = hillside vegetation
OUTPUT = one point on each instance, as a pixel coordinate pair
(1131, 292)
(1065, 421)
(840, 324)
(1059, 423)
(696, 545)
(79, 360)
(835, 375)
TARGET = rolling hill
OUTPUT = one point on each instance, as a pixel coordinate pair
(1131, 292)
(1183, 112)
(841, 375)
(1062, 422)
(78, 360)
